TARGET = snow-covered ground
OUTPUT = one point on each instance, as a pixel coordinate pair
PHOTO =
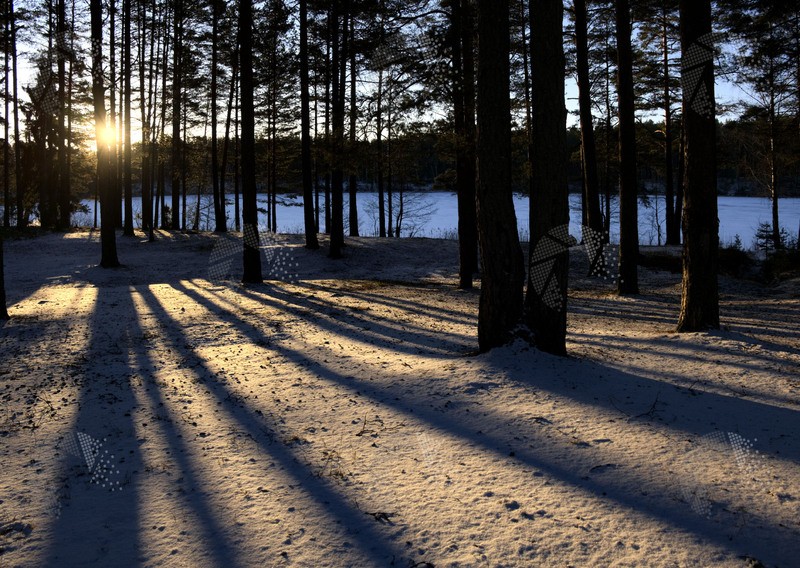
(337, 415)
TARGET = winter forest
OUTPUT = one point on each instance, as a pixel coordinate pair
(575, 370)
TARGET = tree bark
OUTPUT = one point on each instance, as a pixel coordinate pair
(3, 309)
(353, 181)
(305, 133)
(127, 173)
(628, 212)
(501, 298)
(22, 218)
(177, 94)
(546, 300)
(594, 218)
(338, 68)
(464, 113)
(108, 243)
(220, 221)
(251, 253)
(700, 298)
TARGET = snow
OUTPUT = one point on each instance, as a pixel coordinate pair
(435, 215)
(338, 416)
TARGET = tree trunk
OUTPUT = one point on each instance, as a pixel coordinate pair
(127, 173)
(353, 181)
(594, 218)
(700, 299)
(223, 174)
(628, 213)
(22, 218)
(220, 222)
(251, 253)
(501, 298)
(546, 300)
(464, 112)
(338, 69)
(6, 130)
(305, 133)
(108, 243)
(177, 93)
(3, 309)
(379, 149)
(773, 170)
(64, 204)
(672, 221)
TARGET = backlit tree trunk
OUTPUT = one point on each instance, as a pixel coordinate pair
(700, 299)
(546, 300)
(501, 256)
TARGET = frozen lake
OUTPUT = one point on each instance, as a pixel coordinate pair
(434, 214)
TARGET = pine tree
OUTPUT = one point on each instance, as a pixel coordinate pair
(108, 243)
(305, 133)
(502, 277)
(628, 201)
(251, 253)
(546, 300)
(700, 300)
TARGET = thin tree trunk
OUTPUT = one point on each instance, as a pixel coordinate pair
(501, 298)
(177, 94)
(588, 146)
(672, 222)
(773, 171)
(22, 218)
(223, 175)
(464, 112)
(353, 181)
(338, 68)
(108, 243)
(63, 190)
(127, 90)
(251, 253)
(628, 213)
(219, 204)
(305, 133)
(6, 145)
(3, 309)
(700, 298)
(379, 149)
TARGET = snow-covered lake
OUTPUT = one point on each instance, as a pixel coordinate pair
(434, 214)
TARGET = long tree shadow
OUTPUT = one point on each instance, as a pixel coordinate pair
(95, 511)
(701, 414)
(370, 542)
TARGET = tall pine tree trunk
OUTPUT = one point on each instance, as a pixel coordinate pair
(628, 212)
(127, 73)
(501, 298)
(220, 222)
(305, 133)
(108, 243)
(63, 190)
(177, 94)
(546, 300)
(700, 298)
(594, 218)
(22, 217)
(3, 309)
(462, 30)
(251, 253)
(353, 181)
(672, 221)
(338, 69)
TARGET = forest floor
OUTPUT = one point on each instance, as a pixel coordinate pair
(337, 415)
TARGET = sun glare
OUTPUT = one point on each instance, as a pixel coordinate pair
(107, 134)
